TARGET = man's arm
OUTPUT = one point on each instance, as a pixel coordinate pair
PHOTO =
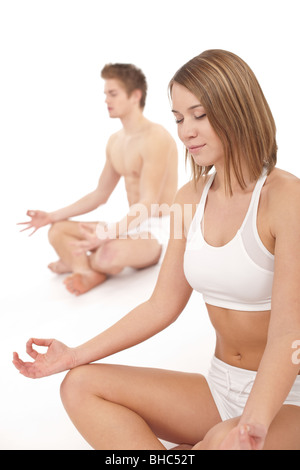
(106, 184)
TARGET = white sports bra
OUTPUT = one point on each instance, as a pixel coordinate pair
(238, 275)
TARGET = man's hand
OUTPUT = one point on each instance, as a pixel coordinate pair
(38, 219)
(58, 358)
(91, 240)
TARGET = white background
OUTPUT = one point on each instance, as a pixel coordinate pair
(53, 131)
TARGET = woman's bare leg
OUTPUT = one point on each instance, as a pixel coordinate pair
(119, 407)
(283, 434)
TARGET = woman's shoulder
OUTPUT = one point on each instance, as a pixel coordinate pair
(191, 192)
(280, 183)
(283, 194)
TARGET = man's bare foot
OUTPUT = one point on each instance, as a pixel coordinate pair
(59, 267)
(80, 283)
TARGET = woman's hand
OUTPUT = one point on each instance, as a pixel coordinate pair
(245, 437)
(38, 219)
(57, 358)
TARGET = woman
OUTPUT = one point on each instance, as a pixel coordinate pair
(239, 251)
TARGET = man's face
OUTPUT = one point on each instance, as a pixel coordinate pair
(118, 102)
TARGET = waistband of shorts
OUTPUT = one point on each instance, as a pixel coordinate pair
(223, 367)
(237, 372)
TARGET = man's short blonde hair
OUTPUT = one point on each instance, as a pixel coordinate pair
(131, 77)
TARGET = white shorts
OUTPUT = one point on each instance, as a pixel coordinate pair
(157, 227)
(230, 387)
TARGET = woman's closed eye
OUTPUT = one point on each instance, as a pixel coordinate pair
(180, 120)
(200, 117)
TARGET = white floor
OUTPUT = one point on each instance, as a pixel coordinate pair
(34, 303)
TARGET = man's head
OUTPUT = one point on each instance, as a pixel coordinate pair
(124, 78)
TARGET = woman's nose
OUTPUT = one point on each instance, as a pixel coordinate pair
(187, 131)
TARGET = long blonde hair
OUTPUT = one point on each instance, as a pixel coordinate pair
(237, 110)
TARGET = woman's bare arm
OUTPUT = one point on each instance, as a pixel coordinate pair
(277, 372)
(169, 298)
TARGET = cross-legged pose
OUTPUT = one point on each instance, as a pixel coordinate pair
(241, 252)
(145, 155)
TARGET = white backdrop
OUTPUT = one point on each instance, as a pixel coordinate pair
(54, 127)
(54, 124)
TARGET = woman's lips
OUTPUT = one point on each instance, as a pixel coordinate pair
(195, 148)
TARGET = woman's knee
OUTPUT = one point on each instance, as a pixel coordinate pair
(215, 436)
(86, 380)
(74, 386)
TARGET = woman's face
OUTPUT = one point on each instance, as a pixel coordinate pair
(194, 128)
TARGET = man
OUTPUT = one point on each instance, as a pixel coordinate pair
(144, 154)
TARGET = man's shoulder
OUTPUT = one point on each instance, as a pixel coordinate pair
(114, 138)
(158, 129)
(115, 135)
(156, 133)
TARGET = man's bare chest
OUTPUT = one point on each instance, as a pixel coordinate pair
(125, 156)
